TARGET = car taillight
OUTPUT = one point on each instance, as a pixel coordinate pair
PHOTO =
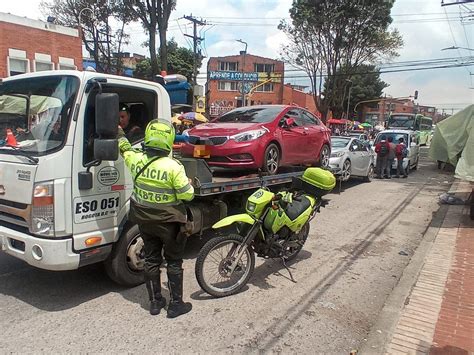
(42, 213)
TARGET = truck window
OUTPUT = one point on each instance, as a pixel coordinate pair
(141, 105)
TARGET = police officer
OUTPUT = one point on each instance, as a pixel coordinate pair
(160, 186)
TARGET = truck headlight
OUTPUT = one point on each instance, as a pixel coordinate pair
(42, 213)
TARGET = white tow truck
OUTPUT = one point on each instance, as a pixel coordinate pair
(64, 190)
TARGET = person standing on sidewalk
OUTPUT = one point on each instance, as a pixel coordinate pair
(160, 186)
(381, 148)
(390, 157)
(401, 152)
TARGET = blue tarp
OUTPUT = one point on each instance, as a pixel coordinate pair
(178, 92)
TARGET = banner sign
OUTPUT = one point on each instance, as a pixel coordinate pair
(232, 75)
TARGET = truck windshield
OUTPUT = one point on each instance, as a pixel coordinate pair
(37, 112)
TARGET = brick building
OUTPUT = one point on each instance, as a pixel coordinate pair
(263, 83)
(379, 111)
(28, 45)
(294, 95)
(224, 82)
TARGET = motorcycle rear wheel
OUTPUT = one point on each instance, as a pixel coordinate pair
(212, 264)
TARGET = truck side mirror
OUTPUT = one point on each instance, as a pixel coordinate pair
(106, 126)
(107, 115)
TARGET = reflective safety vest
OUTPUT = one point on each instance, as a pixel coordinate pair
(162, 183)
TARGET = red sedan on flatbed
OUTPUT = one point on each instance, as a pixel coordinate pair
(266, 137)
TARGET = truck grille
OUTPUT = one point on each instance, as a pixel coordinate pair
(15, 213)
(205, 140)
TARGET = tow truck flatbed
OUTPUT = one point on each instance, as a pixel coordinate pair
(248, 182)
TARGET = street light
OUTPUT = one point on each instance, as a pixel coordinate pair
(456, 47)
(243, 65)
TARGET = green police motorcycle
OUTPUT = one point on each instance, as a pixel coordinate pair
(275, 225)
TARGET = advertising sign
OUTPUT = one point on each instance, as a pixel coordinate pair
(232, 75)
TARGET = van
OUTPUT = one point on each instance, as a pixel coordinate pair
(410, 138)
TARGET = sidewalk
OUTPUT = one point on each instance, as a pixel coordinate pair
(438, 314)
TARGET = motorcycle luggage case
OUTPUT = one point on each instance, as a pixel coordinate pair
(316, 182)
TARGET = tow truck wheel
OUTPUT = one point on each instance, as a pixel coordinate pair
(125, 264)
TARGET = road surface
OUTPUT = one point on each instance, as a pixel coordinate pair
(357, 250)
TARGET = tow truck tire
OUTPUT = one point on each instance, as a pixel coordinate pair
(117, 264)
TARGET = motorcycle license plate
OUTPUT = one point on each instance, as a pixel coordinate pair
(202, 151)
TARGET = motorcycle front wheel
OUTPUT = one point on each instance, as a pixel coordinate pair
(213, 266)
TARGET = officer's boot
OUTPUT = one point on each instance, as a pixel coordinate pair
(157, 301)
(177, 307)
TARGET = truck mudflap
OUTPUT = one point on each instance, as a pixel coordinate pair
(49, 254)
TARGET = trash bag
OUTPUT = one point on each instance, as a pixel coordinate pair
(451, 199)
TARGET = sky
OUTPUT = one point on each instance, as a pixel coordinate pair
(423, 25)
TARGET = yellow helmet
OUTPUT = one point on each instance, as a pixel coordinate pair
(159, 135)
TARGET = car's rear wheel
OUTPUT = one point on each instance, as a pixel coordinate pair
(271, 159)
(324, 156)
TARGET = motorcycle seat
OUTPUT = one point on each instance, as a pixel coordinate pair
(297, 207)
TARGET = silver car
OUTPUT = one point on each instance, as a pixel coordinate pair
(351, 157)
(410, 138)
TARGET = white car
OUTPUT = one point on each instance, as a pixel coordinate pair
(351, 157)
(410, 139)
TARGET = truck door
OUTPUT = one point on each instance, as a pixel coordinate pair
(100, 211)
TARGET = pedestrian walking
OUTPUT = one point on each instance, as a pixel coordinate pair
(160, 186)
(390, 156)
(381, 149)
(401, 152)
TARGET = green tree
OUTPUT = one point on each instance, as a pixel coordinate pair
(93, 18)
(336, 36)
(180, 61)
(154, 15)
(364, 84)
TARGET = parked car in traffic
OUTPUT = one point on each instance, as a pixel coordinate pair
(263, 136)
(351, 157)
(411, 141)
(362, 136)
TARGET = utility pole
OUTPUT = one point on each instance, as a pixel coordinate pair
(196, 41)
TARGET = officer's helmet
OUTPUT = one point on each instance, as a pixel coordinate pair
(159, 135)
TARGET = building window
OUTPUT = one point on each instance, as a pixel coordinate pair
(18, 66)
(227, 86)
(229, 66)
(66, 64)
(264, 68)
(43, 62)
(66, 67)
(41, 66)
(268, 87)
(17, 63)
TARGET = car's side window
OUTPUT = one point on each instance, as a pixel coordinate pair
(295, 114)
(309, 119)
